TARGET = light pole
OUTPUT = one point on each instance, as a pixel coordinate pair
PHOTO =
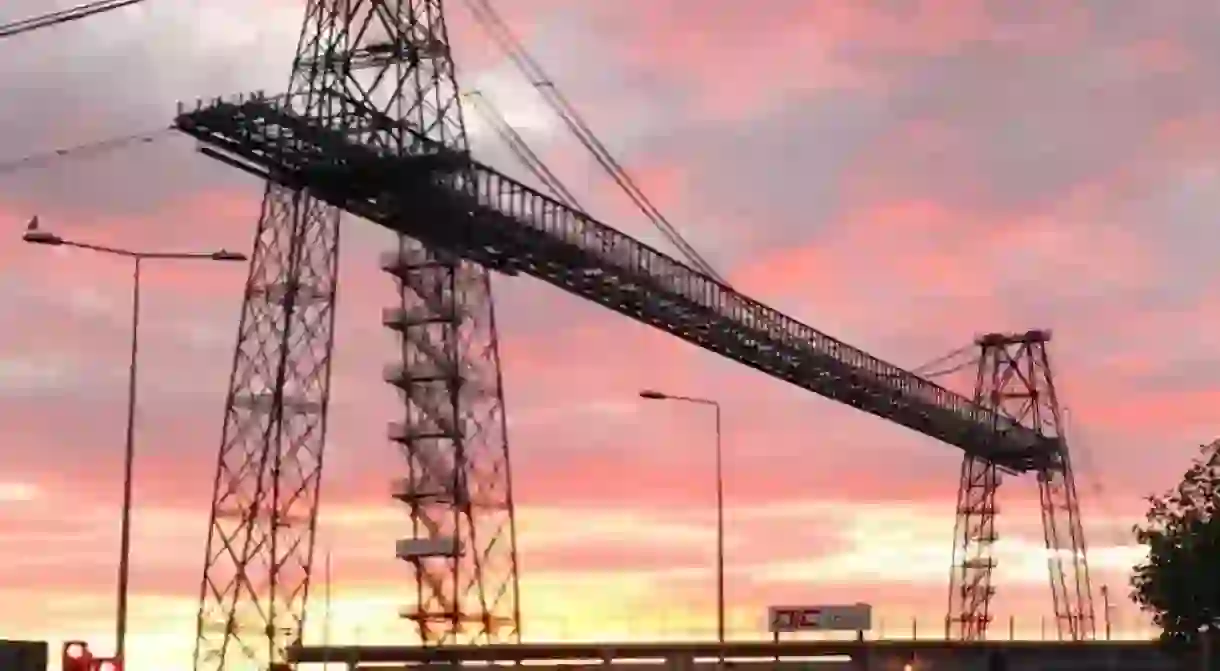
(1106, 607)
(653, 395)
(35, 235)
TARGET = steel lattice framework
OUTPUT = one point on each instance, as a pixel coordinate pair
(1015, 381)
(453, 436)
(437, 194)
(354, 58)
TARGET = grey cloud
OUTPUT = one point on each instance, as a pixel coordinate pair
(31, 376)
(1173, 19)
(122, 73)
(1032, 125)
(1182, 373)
(783, 177)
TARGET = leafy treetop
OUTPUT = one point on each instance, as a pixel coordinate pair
(1179, 582)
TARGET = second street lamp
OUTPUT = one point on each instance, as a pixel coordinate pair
(653, 395)
(35, 235)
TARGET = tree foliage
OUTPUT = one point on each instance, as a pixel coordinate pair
(1179, 582)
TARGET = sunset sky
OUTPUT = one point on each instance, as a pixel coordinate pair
(902, 174)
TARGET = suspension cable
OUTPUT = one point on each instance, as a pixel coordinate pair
(508, 42)
(521, 149)
(944, 358)
(931, 375)
(63, 16)
(88, 149)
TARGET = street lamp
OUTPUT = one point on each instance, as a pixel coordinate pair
(1205, 646)
(35, 235)
(653, 395)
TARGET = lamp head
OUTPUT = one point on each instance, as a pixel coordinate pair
(37, 237)
(653, 395)
(226, 255)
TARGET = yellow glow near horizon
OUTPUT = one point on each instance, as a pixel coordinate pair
(877, 549)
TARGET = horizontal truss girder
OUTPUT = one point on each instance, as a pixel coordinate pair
(452, 202)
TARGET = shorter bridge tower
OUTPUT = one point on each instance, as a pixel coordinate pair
(1015, 381)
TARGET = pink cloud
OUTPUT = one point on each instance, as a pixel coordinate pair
(936, 225)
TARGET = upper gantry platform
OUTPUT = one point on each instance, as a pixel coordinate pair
(380, 170)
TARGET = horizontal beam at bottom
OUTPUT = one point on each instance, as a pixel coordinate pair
(628, 651)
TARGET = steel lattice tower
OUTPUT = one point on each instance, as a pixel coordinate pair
(1015, 380)
(458, 487)
(389, 63)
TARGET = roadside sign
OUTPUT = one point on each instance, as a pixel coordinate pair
(842, 617)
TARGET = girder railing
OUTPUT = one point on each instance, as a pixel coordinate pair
(403, 181)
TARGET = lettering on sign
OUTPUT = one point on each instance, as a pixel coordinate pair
(782, 619)
(795, 619)
(855, 617)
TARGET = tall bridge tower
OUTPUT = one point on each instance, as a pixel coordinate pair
(1015, 381)
(368, 69)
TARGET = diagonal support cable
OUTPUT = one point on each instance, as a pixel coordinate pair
(63, 16)
(512, 47)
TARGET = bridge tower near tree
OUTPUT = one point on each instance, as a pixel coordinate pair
(1015, 381)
